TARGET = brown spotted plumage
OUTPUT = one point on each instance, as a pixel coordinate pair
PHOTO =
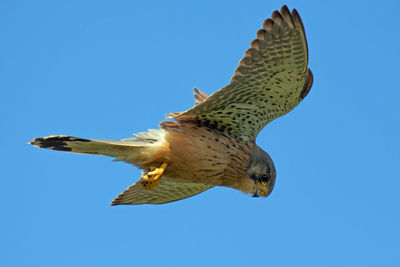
(213, 143)
(270, 81)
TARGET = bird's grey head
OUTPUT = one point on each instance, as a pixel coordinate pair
(261, 170)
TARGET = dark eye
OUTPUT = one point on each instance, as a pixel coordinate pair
(265, 178)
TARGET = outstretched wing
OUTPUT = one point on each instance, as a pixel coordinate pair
(166, 191)
(270, 81)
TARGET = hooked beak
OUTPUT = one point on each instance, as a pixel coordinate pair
(259, 191)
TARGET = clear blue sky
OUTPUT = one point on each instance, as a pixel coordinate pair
(91, 69)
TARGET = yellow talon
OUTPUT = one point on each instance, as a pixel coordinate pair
(152, 178)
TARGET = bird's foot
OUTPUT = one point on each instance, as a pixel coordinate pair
(152, 178)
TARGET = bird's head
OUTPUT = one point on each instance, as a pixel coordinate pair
(261, 171)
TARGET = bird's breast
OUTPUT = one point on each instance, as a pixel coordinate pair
(202, 155)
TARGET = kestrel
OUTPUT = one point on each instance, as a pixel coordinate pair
(213, 143)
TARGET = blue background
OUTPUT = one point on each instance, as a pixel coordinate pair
(108, 69)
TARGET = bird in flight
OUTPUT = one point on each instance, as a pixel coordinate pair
(213, 143)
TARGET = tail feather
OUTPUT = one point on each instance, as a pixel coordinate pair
(112, 148)
(139, 150)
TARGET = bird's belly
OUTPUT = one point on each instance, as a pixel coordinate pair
(201, 156)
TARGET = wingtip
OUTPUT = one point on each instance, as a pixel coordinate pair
(284, 8)
(295, 12)
(277, 17)
(268, 24)
(196, 90)
(308, 84)
(297, 19)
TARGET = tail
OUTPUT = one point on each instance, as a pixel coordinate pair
(129, 150)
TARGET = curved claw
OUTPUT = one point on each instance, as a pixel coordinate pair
(152, 178)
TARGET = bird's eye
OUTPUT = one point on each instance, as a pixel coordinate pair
(265, 178)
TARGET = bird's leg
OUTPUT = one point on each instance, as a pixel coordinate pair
(152, 178)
